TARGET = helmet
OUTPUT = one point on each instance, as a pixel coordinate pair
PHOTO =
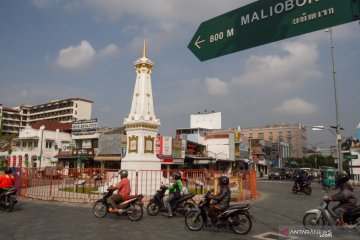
(123, 173)
(341, 178)
(177, 176)
(8, 171)
(224, 180)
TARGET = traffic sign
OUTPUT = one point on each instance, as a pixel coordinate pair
(349, 157)
(267, 21)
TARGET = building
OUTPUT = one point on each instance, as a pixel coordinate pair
(293, 136)
(9, 120)
(40, 144)
(63, 111)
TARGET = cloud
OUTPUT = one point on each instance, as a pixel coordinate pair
(109, 51)
(215, 86)
(289, 71)
(296, 106)
(82, 55)
(41, 4)
(158, 10)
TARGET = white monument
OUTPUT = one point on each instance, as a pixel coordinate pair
(142, 124)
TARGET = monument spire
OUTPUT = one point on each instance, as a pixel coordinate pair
(144, 49)
(142, 124)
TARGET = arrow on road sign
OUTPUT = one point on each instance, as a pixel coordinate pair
(198, 42)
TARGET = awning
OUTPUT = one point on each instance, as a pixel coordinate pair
(107, 158)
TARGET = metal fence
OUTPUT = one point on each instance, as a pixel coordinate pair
(88, 185)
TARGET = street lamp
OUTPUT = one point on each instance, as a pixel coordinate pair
(338, 134)
(315, 150)
(338, 142)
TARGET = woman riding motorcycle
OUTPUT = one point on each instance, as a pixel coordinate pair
(222, 200)
(7, 180)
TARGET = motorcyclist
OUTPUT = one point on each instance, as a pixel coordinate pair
(123, 188)
(174, 193)
(301, 179)
(345, 196)
(7, 180)
(222, 200)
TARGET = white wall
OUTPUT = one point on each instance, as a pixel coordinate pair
(83, 109)
(206, 120)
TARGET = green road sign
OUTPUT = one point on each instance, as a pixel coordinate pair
(349, 157)
(267, 21)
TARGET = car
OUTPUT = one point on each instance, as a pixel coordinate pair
(277, 173)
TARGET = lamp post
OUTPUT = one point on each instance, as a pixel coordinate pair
(338, 134)
(315, 150)
(338, 142)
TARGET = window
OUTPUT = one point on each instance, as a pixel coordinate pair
(48, 144)
(261, 136)
(35, 144)
(24, 144)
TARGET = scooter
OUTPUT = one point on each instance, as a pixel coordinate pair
(305, 188)
(131, 206)
(321, 216)
(237, 217)
(181, 205)
(8, 199)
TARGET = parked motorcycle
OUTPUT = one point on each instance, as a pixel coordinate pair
(131, 206)
(8, 199)
(304, 188)
(237, 217)
(322, 216)
(181, 205)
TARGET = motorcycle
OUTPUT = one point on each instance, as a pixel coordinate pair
(237, 217)
(8, 199)
(181, 205)
(304, 188)
(131, 206)
(322, 216)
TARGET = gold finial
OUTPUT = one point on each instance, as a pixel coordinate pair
(144, 49)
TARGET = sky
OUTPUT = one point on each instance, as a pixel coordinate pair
(58, 49)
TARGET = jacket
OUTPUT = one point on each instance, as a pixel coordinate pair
(346, 198)
(223, 198)
(176, 188)
(7, 181)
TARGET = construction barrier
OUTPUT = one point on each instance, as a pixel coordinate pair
(88, 185)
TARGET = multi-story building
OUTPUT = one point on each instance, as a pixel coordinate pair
(294, 135)
(9, 120)
(63, 111)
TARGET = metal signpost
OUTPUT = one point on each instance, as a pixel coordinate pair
(267, 21)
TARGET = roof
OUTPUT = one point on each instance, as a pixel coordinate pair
(52, 125)
(9, 109)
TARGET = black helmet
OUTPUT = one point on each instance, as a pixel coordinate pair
(123, 173)
(177, 176)
(341, 178)
(224, 180)
(8, 171)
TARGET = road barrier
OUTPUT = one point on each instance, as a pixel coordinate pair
(86, 185)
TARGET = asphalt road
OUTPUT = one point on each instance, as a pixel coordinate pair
(277, 208)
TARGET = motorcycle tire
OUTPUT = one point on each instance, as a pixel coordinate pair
(294, 190)
(8, 204)
(188, 207)
(135, 211)
(100, 209)
(194, 221)
(241, 224)
(311, 222)
(308, 191)
(153, 208)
